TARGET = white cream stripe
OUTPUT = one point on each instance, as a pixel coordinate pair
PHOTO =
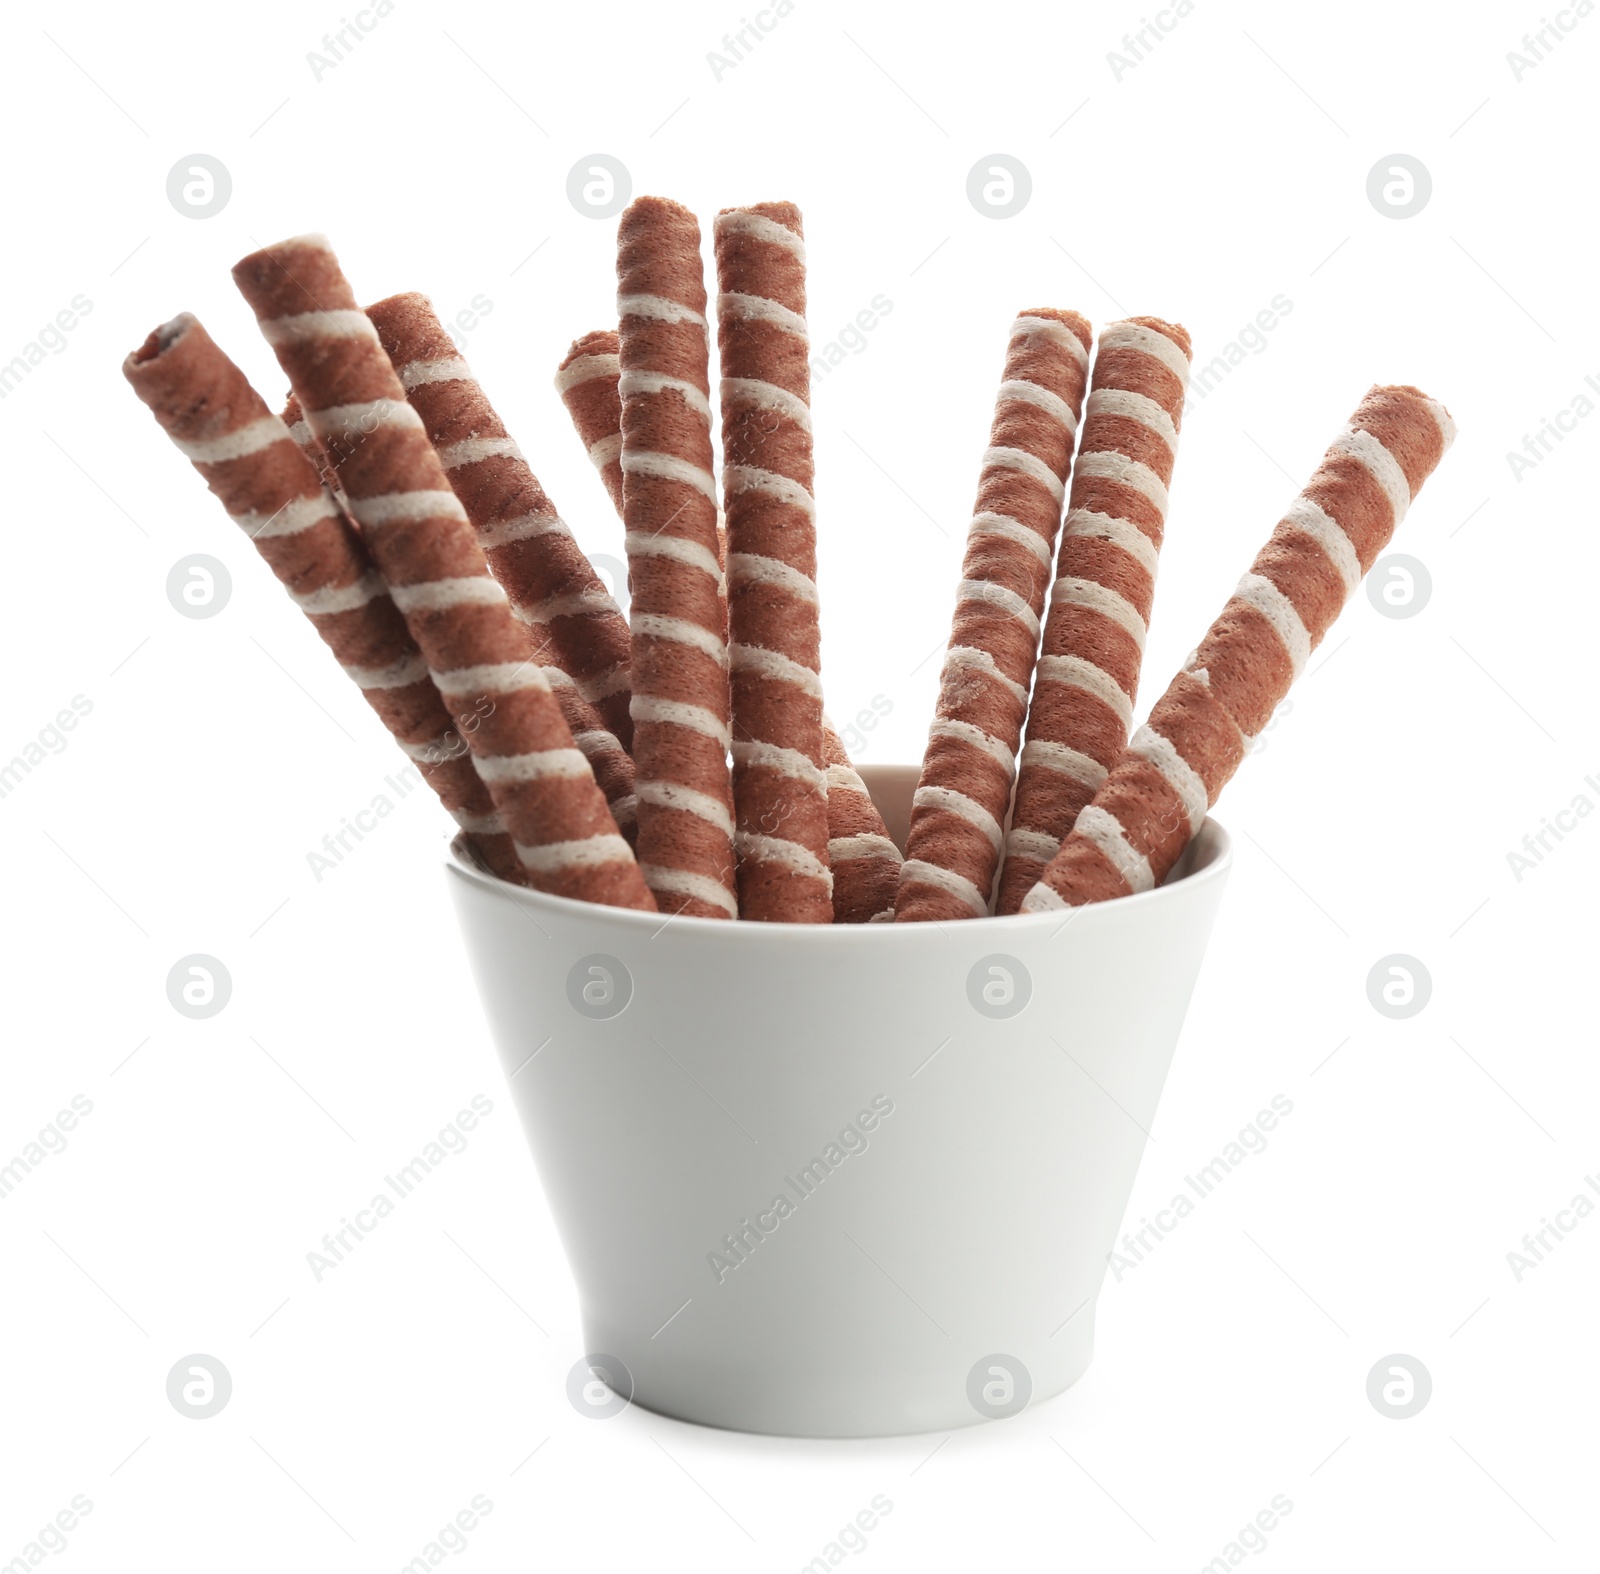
(659, 309)
(418, 374)
(1065, 761)
(605, 449)
(433, 751)
(297, 515)
(1305, 516)
(397, 675)
(492, 677)
(346, 421)
(1120, 532)
(1030, 465)
(750, 568)
(587, 853)
(586, 369)
(1135, 336)
(542, 765)
(639, 385)
(999, 596)
(1134, 407)
(1103, 830)
(1037, 845)
(1101, 466)
(959, 804)
(248, 439)
(389, 508)
(669, 467)
(594, 601)
(747, 478)
(641, 543)
(987, 523)
(474, 450)
(1381, 465)
(964, 732)
(342, 598)
(786, 762)
(1095, 597)
(596, 741)
(607, 683)
(1259, 592)
(757, 308)
(439, 595)
(757, 848)
(680, 631)
(490, 824)
(1021, 389)
(845, 778)
(1081, 674)
(946, 880)
(674, 795)
(975, 660)
(844, 849)
(680, 882)
(524, 527)
(300, 431)
(1056, 332)
(1178, 773)
(678, 713)
(775, 666)
(1041, 899)
(303, 327)
(752, 393)
(624, 810)
(759, 227)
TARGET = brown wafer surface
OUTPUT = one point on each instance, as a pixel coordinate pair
(587, 381)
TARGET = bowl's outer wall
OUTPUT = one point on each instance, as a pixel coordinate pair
(974, 1219)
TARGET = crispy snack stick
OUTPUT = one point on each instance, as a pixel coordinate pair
(587, 382)
(780, 789)
(1105, 578)
(1156, 797)
(678, 613)
(272, 491)
(424, 546)
(865, 862)
(580, 637)
(953, 848)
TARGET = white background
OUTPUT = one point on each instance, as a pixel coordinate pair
(1228, 167)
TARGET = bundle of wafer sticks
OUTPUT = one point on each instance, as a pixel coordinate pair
(679, 759)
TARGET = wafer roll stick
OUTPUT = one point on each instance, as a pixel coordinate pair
(1105, 579)
(679, 616)
(578, 630)
(424, 546)
(1156, 796)
(587, 382)
(954, 844)
(271, 490)
(864, 860)
(780, 789)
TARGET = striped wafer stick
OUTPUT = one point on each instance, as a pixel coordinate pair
(679, 616)
(272, 491)
(865, 862)
(780, 789)
(1100, 603)
(587, 382)
(1156, 797)
(954, 844)
(579, 635)
(424, 546)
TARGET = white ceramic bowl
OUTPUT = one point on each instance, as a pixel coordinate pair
(839, 1181)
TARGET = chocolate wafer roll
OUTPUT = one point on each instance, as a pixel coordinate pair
(679, 617)
(587, 382)
(579, 635)
(1105, 579)
(271, 490)
(1156, 796)
(780, 790)
(424, 546)
(864, 860)
(954, 844)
